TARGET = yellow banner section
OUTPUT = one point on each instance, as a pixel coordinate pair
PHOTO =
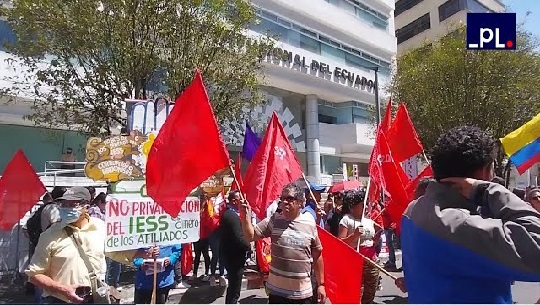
(522, 136)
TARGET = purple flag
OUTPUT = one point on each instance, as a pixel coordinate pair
(251, 143)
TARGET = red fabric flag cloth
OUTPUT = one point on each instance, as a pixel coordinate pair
(20, 190)
(273, 166)
(238, 184)
(187, 150)
(186, 259)
(385, 171)
(411, 187)
(342, 270)
(402, 137)
(386, 121)
(263, 254)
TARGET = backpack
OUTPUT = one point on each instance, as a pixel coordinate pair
(33, 225)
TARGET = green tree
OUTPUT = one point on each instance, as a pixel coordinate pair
(445, 85)
(82, 58)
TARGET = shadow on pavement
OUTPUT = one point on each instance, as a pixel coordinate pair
(394, 299)
(202, 295)
(253, 299)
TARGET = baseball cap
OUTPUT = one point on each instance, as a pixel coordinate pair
(315, 187)
(76, 193)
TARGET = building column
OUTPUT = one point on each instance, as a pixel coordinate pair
(313, 152)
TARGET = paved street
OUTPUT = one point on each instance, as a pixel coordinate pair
(202, 293)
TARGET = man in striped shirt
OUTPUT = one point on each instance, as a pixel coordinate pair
(295, 247)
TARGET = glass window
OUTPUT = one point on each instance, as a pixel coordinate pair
(6, 34)
(332, 52)
(403, 5)
(476, 7)
(310, 44)
(450, 8)
(300, 37)
(414, 28)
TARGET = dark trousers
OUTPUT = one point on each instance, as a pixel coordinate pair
(201, 247)
(143, 296)
(214, 241)
(276, 299)
(53, 300)
(235, 271)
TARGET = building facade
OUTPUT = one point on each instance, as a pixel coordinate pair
(425, 21)
(320, 80)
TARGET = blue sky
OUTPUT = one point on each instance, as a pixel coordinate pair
(521, 7)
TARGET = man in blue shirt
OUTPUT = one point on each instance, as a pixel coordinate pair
(311, 203)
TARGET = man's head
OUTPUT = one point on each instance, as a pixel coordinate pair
(69, 150)
(292, 201)
(316, 190)
(72, 204)
(58, 191)
(100, 201)
(47, 198)
(92, 191)
(533, 196)
(464, 151)
(234, 198)
(422, 187)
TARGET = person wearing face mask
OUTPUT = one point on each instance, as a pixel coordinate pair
(57, 265)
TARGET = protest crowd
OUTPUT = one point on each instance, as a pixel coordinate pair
(464, 237)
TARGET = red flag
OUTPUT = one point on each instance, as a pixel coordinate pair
(187, 150)
(386, 121)
(411, 187)
(20, 190)
(390, 176)
(186, 259)
(273, 166)
(342, 285)
(238, 184)
(402, 137)
(263, 254)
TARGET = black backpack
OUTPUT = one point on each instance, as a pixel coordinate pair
(33, 225)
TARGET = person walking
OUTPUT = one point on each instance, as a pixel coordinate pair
(233, 247)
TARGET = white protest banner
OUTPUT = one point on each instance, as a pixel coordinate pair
(134, 221)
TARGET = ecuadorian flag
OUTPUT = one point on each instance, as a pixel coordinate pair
(523, 145)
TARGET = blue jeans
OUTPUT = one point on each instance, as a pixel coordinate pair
(214, 240)
(37, 295)
(112, 276)
(390, 244)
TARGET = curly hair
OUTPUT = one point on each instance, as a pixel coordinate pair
(461, 151)
(353, 198)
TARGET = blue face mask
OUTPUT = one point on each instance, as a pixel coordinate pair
(69, 215)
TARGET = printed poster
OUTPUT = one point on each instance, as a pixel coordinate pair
(134, 222)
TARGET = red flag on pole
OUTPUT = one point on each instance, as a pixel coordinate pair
(273, 166)
(342, 270)
(402, 137)
(238, 184)
(20, 190)
(411, 187)
(390, 175)
(187, 150)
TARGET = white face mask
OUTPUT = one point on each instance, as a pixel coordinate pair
(70, 215)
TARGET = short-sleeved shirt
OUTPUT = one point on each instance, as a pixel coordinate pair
(49, 215)
(366, 240)
(57, 256)
(292, 246)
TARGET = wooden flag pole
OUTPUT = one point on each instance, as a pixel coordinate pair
(238, 184)
(154, 291)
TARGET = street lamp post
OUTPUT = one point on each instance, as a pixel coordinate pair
(377, 102)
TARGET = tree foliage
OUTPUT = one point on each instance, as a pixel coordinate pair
(445, 85)
(84, 57)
